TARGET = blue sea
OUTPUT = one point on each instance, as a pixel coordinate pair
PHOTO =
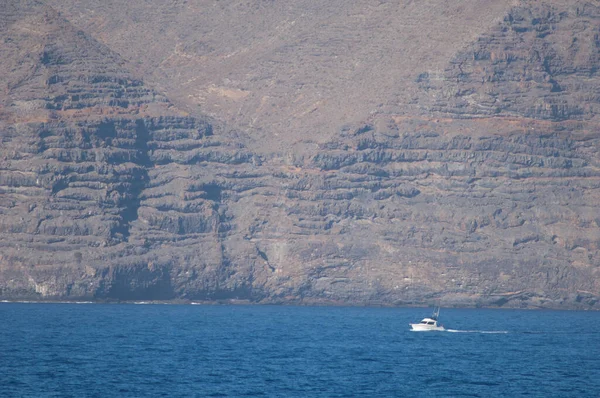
(128, 350)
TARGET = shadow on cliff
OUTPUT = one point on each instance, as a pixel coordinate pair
(140, 282)
(131, 192)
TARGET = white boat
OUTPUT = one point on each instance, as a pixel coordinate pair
(428, 324)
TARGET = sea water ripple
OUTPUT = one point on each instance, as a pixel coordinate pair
(98, 350)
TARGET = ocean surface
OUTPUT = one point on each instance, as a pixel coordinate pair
(128, 350)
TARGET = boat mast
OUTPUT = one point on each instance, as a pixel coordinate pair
(436, 313)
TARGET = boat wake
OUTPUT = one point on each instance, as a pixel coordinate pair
(478, 331)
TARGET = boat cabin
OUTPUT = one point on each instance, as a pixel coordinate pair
(429, 323)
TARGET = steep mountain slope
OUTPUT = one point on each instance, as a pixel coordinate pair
(84, 145)
(291, 71)
(474, 181)
(541, 63)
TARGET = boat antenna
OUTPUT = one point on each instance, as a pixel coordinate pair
(436, 313)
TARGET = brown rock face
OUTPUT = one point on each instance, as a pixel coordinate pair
(541, 63)
(287, 72)
(465, 172)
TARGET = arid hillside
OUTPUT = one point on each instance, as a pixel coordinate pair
(288, 72)
(297, 152)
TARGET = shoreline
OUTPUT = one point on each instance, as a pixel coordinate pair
(233, 302)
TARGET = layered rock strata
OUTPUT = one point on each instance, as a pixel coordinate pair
(484, 191)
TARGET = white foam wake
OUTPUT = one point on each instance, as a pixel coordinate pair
(477, 331)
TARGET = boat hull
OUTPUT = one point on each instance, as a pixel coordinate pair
(418, 327)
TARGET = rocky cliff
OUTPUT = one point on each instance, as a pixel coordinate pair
(474, 182)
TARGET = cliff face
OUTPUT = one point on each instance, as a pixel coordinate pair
(96, 170)
(286, 72)
(540, 62)
(478, 186)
